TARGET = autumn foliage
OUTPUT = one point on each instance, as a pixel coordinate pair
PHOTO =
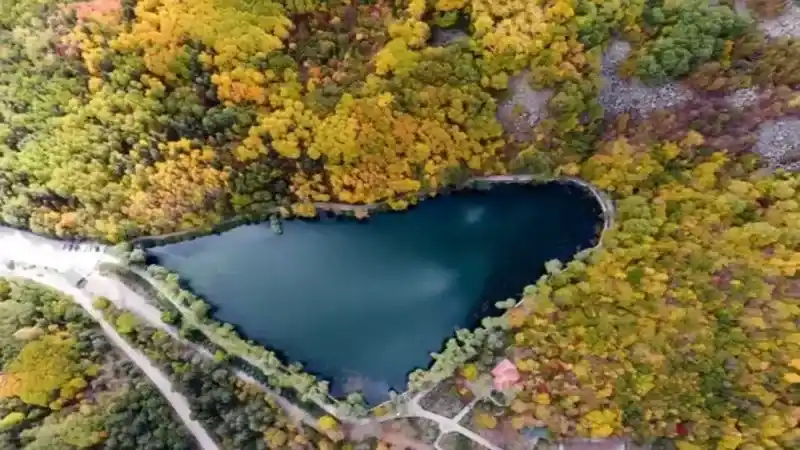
(160, 116)
(684, 319)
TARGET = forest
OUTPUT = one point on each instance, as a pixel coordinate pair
(63, 385)
(129, 118)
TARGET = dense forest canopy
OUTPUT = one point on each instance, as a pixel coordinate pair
(127, 118)
(147, 117)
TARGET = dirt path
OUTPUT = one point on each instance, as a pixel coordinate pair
(125, 298)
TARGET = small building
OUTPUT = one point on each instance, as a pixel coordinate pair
(505, 375)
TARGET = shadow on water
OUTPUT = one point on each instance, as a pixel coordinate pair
(507, 281)
(362, 304)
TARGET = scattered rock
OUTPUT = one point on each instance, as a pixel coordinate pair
(444, 36)
(618, 95)
(523, 108)
(787, 24)
(743, 98)
(779, 143)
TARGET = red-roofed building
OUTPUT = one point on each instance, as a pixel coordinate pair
(505, 375)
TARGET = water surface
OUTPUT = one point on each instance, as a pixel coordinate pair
(363, 304)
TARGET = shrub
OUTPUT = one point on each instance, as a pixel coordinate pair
(11, 419)
(101, 303)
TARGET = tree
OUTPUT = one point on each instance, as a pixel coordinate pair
(11, 419)
(68, 355)
(691, 34)
(77, 430)
(13, 315)
(126, 323)
(101, 303)
(45, 366)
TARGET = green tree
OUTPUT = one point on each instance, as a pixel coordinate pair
(44, 367)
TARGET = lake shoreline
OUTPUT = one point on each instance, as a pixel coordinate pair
(601, 204)
(329, 404)
(352, 210)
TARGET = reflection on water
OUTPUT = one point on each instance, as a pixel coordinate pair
(365, 303)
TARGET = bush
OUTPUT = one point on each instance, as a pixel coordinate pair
(126, 323)
(11, 419)
(101, 303)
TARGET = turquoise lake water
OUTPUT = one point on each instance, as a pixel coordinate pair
(364, 303)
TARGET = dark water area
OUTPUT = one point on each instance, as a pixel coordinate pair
(363, 303)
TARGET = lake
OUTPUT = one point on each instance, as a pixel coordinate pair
(369, 301)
